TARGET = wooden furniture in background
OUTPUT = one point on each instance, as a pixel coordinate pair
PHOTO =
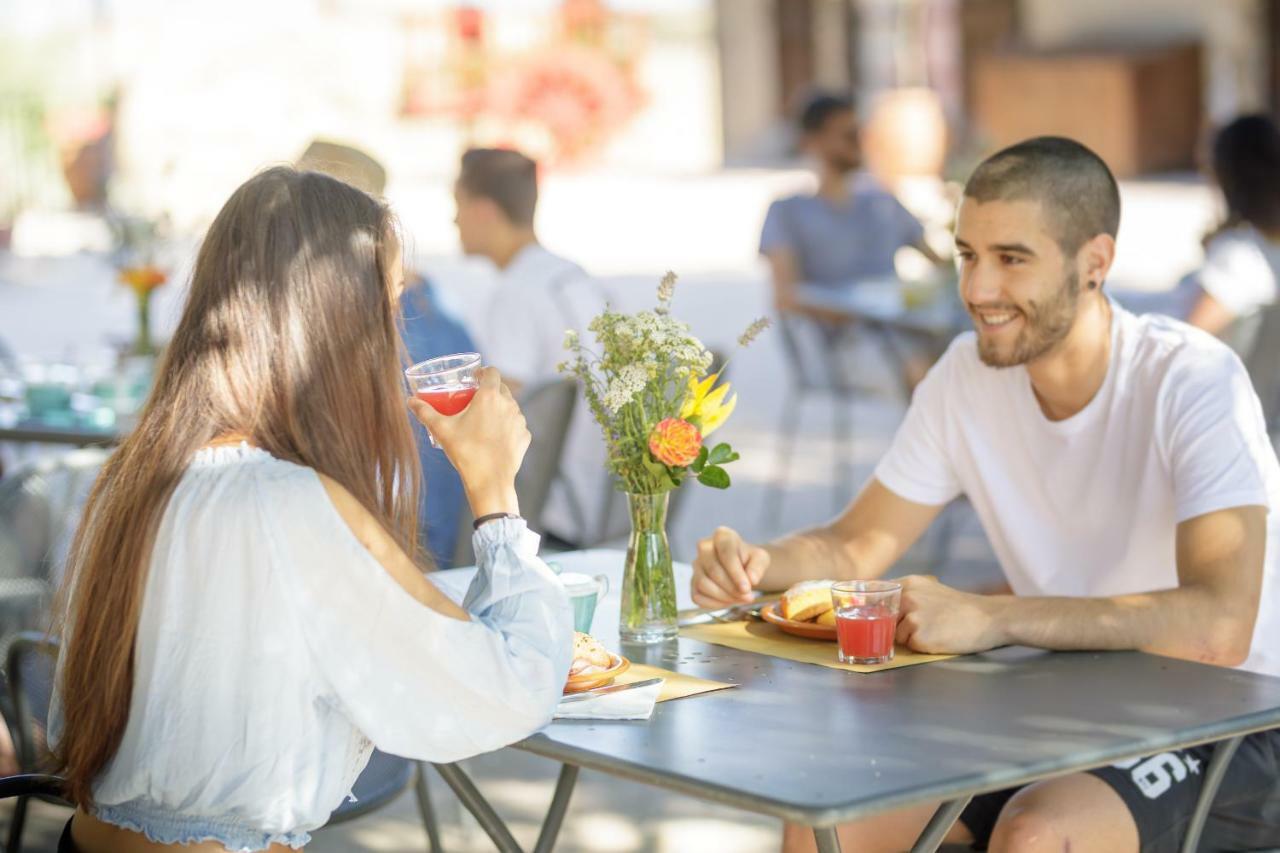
(1139, 108)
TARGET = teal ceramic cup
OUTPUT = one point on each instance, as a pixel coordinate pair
(585, 592)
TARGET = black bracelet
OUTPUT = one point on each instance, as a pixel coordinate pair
(493, 516)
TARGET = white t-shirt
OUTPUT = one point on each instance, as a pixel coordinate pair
(540, 295)
(1239, 270)
(1088, 506)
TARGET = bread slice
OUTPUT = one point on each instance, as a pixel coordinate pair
(807, 600)
(827, 618)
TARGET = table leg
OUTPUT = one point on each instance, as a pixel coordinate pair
(559, 805)
(828, 841)
(941, 822)
(1222, 754)
(479, 807)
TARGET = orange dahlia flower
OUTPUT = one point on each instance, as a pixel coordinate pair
(675, 442)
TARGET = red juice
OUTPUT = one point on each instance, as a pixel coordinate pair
(448, 399)
(866, 633)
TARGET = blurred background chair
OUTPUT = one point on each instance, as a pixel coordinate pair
(548, 410)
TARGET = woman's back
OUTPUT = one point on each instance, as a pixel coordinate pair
(271, 642)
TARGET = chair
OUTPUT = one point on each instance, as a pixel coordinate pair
(40, 506)
(811, 351)
(548, 409)
(30, 661)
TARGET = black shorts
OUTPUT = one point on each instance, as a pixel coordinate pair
(1161, 792)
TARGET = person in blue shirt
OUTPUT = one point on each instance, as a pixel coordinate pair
(429, 331)
(849, 229)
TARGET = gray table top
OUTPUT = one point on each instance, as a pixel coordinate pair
(821, 746)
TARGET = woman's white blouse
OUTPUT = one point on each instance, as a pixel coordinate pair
(274, 651)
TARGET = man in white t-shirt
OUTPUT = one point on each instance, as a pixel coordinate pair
(1121, 469)
(539, 295)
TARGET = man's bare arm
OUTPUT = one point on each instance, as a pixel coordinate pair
(1208, 617)
(863, 542)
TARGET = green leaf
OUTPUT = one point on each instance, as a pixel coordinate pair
(722, 454)
(715, 477)
(700, 462)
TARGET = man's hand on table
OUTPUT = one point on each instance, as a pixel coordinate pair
(937, 619)
(727, 570)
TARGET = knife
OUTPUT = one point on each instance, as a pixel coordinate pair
(612, 688)
(750, 610)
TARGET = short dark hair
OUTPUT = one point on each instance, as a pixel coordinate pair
(1246, 164)
(820, 107)
(507, 178)
(1077, 190)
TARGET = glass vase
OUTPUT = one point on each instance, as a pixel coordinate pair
(648, 583)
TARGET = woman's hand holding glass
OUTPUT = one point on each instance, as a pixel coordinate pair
(486, 443)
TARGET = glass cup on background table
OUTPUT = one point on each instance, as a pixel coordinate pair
(866, 619)
(447, 383)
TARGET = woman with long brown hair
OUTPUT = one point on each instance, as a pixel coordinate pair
(245, 616)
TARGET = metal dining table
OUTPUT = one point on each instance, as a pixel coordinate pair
(40, 432)
(819, 746)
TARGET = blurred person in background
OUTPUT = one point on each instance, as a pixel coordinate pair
(1242, 255)
(539, 296)
(246, 610)
(429, 331)
(847, 231)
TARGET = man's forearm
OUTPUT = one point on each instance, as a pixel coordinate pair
(1194, 623)
(813, 554)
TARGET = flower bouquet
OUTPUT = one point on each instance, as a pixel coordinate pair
(650, 390)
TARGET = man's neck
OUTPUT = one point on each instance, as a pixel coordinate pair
(833, 184)
(1066, 379)
(507, 246)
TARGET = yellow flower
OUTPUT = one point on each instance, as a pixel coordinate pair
(675, 442)
(708, 407)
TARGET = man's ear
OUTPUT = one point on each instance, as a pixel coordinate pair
(1094, 260)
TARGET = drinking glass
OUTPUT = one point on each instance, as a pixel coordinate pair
(447, 383)
(866, 619)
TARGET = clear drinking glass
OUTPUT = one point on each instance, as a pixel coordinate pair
(447, 383)
(866, 619)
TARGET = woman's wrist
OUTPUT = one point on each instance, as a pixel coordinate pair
(490, 501)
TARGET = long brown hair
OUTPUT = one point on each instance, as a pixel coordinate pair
(289, 338)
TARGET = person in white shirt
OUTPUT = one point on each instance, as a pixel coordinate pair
(539, 296)
(1242, 255)
(1121, 469)
(248, 616)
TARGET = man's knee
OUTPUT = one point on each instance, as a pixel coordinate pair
(1028, 830)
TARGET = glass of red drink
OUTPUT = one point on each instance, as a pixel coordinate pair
(446, 383)
(866, 619)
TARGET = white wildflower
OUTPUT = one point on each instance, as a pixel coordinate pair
(623, 388)
(570, 339)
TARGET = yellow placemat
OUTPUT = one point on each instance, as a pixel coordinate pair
(765, 639)
(675, 686)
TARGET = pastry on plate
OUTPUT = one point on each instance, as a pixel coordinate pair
(807, 600)
(588, 655)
